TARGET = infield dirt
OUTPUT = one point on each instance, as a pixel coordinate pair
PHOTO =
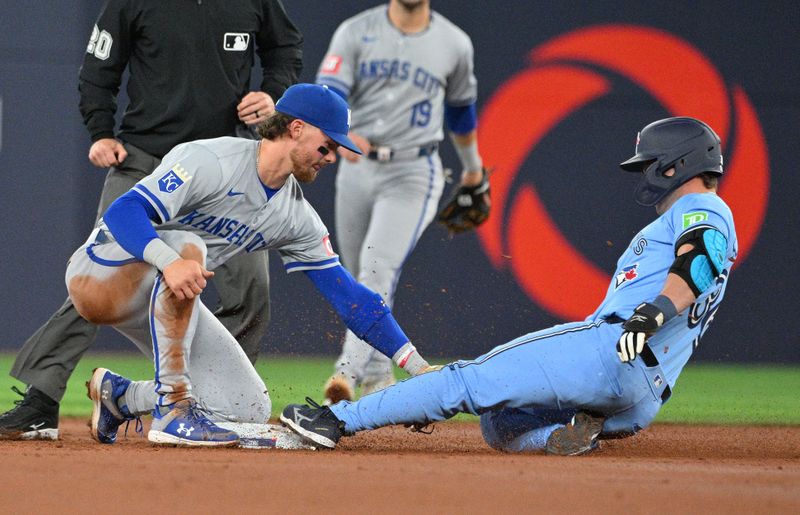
(666, 469)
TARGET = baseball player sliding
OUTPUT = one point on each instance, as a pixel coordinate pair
(142, 269)
(560, 389)
(404, 69)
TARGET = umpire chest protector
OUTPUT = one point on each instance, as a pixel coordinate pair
(687, 144)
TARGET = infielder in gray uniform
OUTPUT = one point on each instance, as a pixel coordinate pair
(142, 270)
(165, 47)
(404, 69)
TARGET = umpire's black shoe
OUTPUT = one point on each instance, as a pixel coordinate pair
(35, 417)
(315, 423)
(576, 438)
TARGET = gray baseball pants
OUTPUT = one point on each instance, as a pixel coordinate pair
(48, 358)
(382, 210)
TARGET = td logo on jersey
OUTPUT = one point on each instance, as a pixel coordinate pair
(567, 73)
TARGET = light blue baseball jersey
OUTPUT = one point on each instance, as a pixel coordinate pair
(643, 267)
(396, 83)
(573, 366)
(211, 188)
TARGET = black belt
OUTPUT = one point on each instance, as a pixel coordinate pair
(386, 154)
(648, 357)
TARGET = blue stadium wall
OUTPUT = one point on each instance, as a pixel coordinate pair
(563, 88)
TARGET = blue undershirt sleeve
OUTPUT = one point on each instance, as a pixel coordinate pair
(461, 119)
(361, 309)
(128, 219)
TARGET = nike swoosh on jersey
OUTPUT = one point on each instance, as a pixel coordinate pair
(232, 193)
(369, 39)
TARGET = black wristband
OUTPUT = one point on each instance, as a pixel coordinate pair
(666, 306)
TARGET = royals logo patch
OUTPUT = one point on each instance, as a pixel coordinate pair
(173, 179)
(627, 274)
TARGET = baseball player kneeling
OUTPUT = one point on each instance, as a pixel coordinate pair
(142, 271)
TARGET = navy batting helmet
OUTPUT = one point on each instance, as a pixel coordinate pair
(687, 144)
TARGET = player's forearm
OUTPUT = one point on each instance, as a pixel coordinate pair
(97, 106)
(386, 334)
(462, 122)
(466, 147)
(367, 316)
(281, 69)
(280, 49)
(678, 292)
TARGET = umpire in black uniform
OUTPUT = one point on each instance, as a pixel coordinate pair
(189, 65)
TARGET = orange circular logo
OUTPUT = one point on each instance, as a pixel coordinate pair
(530, 104)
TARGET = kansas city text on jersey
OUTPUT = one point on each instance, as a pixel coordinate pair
(228, 228)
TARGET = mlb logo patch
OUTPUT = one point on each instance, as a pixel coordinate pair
(236, 41)
(331, 64)
(173, 179)
(657, 380)
(627, 274)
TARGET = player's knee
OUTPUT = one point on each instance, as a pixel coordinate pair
(260, 409)
(491, 432)
(630, 422)
(194, 249)
(187, 244)
(251, 406)
(106, 301)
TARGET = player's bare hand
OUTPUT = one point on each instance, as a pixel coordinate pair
(362, 144)
(186, 278)
(255, 107)
(430, 368)
(107, 152)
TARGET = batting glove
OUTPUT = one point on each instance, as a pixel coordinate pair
(646, 319)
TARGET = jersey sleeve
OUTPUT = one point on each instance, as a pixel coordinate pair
(338, 68)
(106, 57)
(462, 86)
(279, 47)
(187, 175)
(311, 249)
(696, 211)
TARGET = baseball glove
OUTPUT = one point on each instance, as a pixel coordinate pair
(469, 207)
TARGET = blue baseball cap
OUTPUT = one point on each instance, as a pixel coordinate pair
(322, 108)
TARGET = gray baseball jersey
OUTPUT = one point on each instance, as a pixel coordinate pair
(397, 83)
(211, 188)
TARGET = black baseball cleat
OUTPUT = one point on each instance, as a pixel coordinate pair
(315, 423)
(576, 438)
(35, 417)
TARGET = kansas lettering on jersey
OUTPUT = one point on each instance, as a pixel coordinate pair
(643, 267)
(211, 188)
(397, 84)
(232, 230)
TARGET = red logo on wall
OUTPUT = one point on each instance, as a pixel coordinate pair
(530, 104)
